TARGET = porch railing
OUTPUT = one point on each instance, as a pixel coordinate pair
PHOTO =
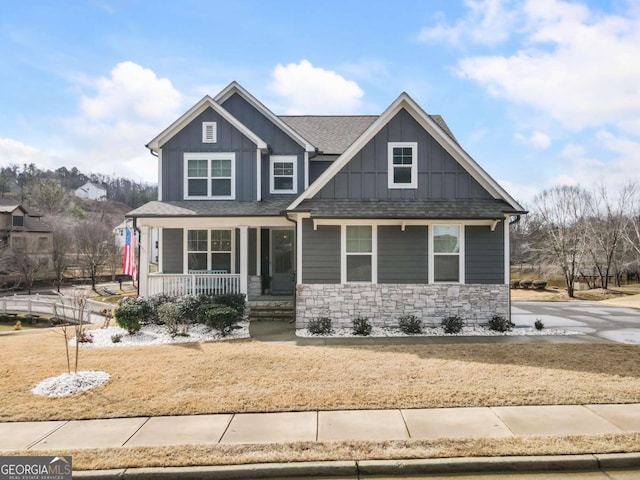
(193, 284)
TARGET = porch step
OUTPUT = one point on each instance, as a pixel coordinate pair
(271, 311)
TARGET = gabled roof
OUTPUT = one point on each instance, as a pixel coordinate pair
(235, 88)
(8, 205)
(404, 101)
(192, 113)
(91, 183)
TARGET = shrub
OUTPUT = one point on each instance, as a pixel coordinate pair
(221, 317)
(320, 326)
(410, 324)
(169, 315)
(153, 303)
(233, 300)
(500, 324)
(142, 306)
(525, 283)
(85, 336)
(539, 325)
(189, 306)
(18, 325)
(515, 283)
(452, 324)
(539, 285)
(361, 326)
(128, 315)
(117, 338)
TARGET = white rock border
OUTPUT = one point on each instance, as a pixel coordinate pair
(70, 383)
(439, 332)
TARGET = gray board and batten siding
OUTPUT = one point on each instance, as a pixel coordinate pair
(403, 256)
(189, 140)
(279, 142)
(365, 176)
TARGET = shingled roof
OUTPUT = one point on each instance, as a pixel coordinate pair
(213, 208)
(332, 134)
(485, 209)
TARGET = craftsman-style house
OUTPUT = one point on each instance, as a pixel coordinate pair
(356, 216)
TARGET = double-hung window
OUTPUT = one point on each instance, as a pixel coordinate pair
(402, 165)
(359, 258)
(210, 176)
(446, 249)
(283, 178)
(210, 250)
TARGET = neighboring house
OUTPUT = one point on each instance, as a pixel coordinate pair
(91, 191)
(360, 216)
(119, 234)
(25, 232)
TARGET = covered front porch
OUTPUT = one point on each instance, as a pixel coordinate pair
(252, 256)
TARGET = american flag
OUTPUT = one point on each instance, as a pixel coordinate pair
(129, 258)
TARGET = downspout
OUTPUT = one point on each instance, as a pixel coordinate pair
(515, 220)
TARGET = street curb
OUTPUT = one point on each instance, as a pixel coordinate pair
(469, 465)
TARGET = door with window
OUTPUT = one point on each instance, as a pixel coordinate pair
(282, 261)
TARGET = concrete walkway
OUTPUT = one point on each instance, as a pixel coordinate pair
(321, 426)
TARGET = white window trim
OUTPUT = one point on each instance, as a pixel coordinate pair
(414, 165)
(214, 137)
(374, 253)
(209, 156)
(432, 254)
(186, 250)
(283, 158)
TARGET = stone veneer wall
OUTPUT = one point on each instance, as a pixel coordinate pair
(384, 304)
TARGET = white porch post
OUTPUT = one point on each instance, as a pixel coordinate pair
(244, 259)
(143, 273)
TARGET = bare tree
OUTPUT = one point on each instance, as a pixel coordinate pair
(95, 244)
(606, 225)
(561, 211)
(62, 242)
(26, 266)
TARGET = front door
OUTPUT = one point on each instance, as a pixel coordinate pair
(282, 262)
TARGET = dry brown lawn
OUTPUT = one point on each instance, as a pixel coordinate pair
(204, 455)
(555, 294)
(250, 376)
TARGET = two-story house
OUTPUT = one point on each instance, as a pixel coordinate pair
(374, 216)
(91, 191)
(24, 232)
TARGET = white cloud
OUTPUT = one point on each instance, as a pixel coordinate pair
(125, 110)
(313, 90)
(488, 22)
(573, 151)
(538, 140)
(577, 66)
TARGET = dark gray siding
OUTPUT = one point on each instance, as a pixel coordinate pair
(402, 256)
(321, 253)
(440, 176)
(484, 254)
(172, 244)
(279, 142)
(252, 251)
(189, 139)
(316, 168)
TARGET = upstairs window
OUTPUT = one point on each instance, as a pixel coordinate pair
(18, 221)
(283, 174)
(446, 253)
(402, 165)
(210, 176)
(209, 132)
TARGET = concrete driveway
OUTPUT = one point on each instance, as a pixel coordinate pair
(616, 324)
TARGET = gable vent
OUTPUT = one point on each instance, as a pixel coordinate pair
(209, 132)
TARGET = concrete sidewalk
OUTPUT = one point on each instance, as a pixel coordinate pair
(321, 426)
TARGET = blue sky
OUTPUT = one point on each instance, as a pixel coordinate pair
(539, 92)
